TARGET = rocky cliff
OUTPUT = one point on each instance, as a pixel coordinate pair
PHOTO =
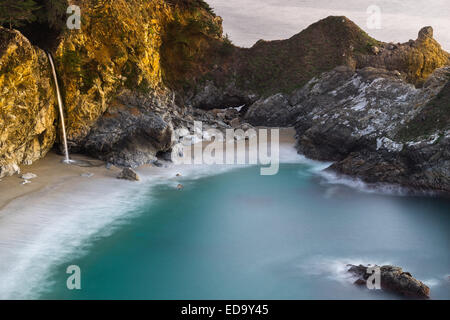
(374, 126)
(138, 69)
(27, 103)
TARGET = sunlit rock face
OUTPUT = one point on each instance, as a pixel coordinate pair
(111, 73)
(27, 103)
(416, 59)
(117, 47)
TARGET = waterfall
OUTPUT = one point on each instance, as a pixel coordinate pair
(61, 109)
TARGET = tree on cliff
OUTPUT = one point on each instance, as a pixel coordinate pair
(16, 13)
(53, 13)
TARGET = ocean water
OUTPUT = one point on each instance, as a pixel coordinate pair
(238, 235)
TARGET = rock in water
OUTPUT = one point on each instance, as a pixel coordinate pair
(29, 176)
(180, 187)
(393, 279)
(128, 174)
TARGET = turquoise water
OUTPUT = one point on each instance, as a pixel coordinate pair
(239, 235)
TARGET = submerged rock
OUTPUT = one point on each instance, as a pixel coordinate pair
(180, 187)
(394, 280)
(128, 174)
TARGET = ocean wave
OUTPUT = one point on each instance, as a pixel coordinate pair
(335, 269)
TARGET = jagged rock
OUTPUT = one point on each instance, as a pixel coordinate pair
(361, 121)
(393, 279)
(426, 32)
(130, 133)
(274, 111)
(416, 59)
(27, 103)
(128, 174)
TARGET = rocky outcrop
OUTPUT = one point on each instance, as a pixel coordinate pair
(393, 279)
(27, 103)
(360, 120)
(136, 69)
(416, 60)
(132, 131)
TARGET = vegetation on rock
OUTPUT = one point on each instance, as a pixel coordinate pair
(15, 13)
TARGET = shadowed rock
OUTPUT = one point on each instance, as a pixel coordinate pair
(394, 280)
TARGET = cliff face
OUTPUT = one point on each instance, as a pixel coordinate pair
(377, 127)
(118, 108)
(136, 69)
(27, 103)
(116, 48)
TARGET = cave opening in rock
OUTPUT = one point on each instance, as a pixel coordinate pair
(48, 24)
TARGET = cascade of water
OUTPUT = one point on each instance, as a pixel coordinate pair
(61, 110)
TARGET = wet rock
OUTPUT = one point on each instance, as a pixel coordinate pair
(393, 279)
(158, 164)
(180, 187)
(360, 120)
(128, 174)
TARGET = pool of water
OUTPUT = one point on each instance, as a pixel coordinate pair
(240, 235)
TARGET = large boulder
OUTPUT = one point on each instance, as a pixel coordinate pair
(27, 103)
(131, 132)
(392, 279)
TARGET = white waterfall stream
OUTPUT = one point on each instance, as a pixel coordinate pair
(61, 109)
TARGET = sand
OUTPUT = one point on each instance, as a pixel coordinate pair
(52, 172)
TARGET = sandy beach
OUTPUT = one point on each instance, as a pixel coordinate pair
(51, 172)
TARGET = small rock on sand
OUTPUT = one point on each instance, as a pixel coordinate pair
(28, 176)
(128, 174)
(87, 175)
(24, 182)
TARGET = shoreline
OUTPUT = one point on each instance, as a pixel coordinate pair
(51, 171)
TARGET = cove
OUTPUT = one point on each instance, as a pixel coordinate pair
(239, 235)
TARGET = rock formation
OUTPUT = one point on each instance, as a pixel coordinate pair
(364, 122)
(393, 279)
(138, 70)
(27, 103)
